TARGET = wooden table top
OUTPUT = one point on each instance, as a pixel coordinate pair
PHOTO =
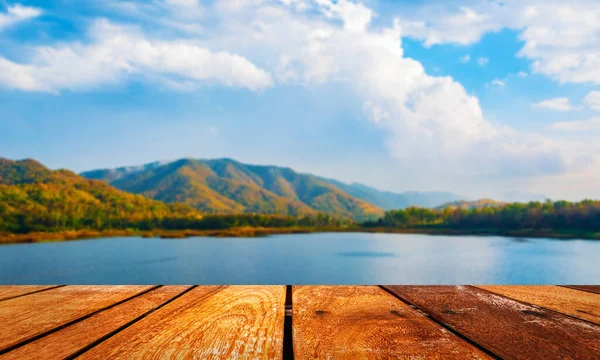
(300, 322)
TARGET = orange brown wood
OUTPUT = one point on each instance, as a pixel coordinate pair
(208, 322)
(72, 339)
(508, 328)
(341, 322)
(365, 322)
(589, 288)
(9, 292)
(583, 305)
(25, 317)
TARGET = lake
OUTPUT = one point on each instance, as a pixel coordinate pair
(330, 258)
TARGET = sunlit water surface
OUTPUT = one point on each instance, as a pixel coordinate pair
(332, 258)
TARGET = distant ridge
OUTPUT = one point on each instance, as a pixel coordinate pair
(388, 200)
(228, 186)
(468, 205)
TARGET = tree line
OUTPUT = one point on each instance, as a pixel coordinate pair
(559, 215)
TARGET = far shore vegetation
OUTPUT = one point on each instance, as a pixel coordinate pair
(562, 220)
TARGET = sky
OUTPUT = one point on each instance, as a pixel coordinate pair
(482, 98)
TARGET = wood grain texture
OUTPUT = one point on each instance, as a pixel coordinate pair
(589, 288)
(365, 322)
(7, 292)
(70, 340)
(580, 304)
(506, 327)
(209, 322)
(28, 316)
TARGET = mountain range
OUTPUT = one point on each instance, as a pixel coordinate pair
(218, 186)
(229, 186)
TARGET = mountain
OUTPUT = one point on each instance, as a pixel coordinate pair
(524, 197)
(468, 205)
(35, 198)
(388, 200)
(228, 186)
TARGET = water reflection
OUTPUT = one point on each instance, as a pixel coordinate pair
(335, 258)
(366, 254)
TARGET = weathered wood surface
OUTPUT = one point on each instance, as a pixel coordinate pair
(365, 322)
(589, 288)
(9, 292)
(337, 322)
(506, 327)
(25, 317)
(75, 338)
(583, 305)
(208, 322)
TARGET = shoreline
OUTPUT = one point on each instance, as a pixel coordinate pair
(41, 237)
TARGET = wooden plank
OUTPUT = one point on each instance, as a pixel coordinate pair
(25, 317)
(209, 322)
(588, 288)
(72, 339)
(11, 291)
(365, 322)
(580, 304)
(506, 327)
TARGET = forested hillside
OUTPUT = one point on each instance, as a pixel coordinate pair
(225, 186)
(34, 198)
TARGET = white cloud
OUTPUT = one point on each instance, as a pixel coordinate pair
(17, 13)
(428, 118)
(522, 74)
(482, 61)
(355, 16)
(465, 59)
(558, 104)
(498, 82)
(464, 26)
(593, 100)
(585, 125)
(561, 38)
(116, 52)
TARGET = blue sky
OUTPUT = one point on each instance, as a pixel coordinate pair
(477, 97)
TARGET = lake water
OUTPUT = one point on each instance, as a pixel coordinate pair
(332, 258)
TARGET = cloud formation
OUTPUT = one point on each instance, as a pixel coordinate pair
(427, 118)
(585, 125)
(560, 37)
(114, 52)
(593, 100)
(498, 82)
(16, 14)
(557, 104)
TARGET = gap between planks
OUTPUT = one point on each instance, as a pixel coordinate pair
(74, 321)
(441, 323)
(493, 320)
(43, 288)
(588, 317)
(121, 328)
